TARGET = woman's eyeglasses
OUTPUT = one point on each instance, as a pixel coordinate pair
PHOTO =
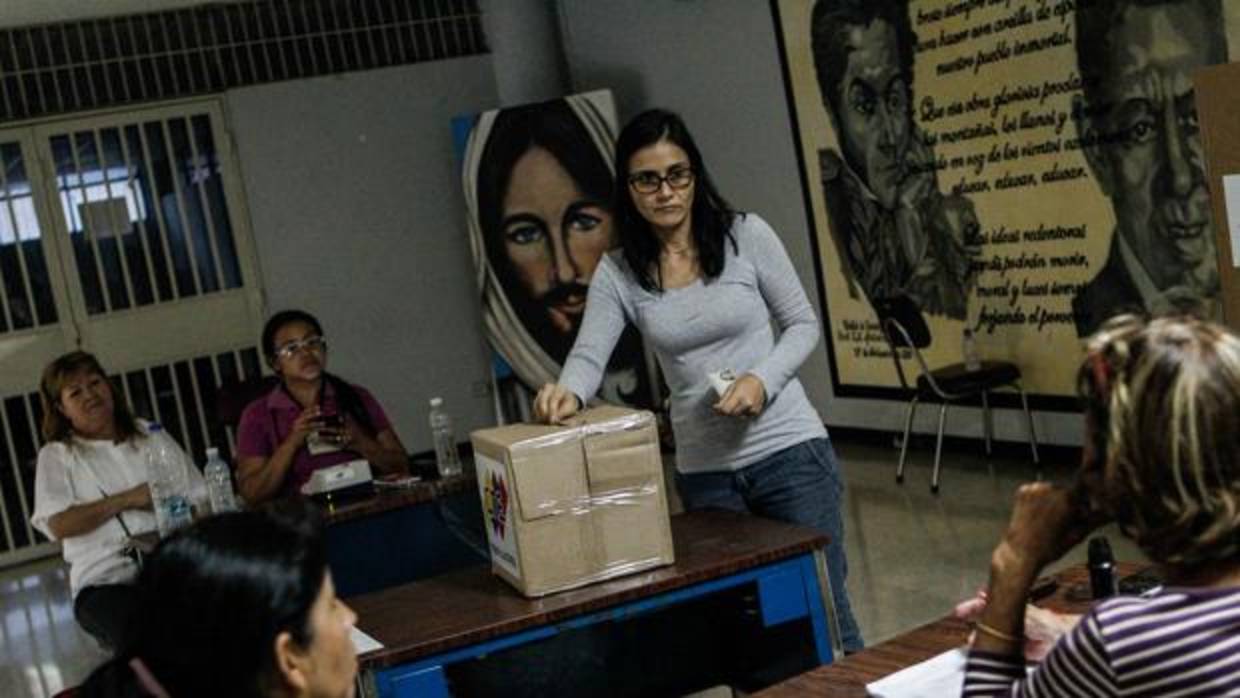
(650, 182)
(311, 343)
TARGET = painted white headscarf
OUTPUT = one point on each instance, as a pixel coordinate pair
(504, 329)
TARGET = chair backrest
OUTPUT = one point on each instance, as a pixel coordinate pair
(232, 397)
(904, 328)
(904, 312)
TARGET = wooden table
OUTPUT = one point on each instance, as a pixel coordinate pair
(429, 624)
(848, 677)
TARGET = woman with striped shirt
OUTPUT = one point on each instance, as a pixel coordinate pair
(1162, 458)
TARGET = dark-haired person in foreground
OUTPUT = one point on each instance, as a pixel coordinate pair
(311, 420)
(703, 283)
(91, 489)
(239, 605)
(1162, 405)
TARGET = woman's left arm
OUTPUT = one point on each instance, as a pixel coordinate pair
(786, 299)
(384, 449)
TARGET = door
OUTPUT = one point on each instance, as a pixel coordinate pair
(130, 241)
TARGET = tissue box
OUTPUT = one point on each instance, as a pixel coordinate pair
(566, 506)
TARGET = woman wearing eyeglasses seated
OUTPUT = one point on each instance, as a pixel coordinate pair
(91, 491)
(311, 420)
(239, 605)
(703, 283)
(1162, 458)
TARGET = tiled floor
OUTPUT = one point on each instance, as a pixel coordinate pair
(912, 556)
(42, 650)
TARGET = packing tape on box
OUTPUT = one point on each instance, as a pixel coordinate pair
(623, 496)
(577, 428)
(582, 432)
(615, 570)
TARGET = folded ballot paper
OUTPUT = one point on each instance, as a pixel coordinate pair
(942, 675)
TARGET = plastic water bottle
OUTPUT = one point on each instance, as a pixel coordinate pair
(968, 342)
(447, 459)
(168, 484)
(219, 483)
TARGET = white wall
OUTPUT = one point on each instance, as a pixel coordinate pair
(717, 63)
(524, 39)
(357, 213)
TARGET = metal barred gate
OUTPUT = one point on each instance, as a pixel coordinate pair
(124, 235)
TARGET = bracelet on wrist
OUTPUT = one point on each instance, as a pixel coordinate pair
(996, 633)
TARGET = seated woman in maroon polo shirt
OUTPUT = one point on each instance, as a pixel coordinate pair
(311, 420)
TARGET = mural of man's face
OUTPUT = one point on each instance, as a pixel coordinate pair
(1154, 172)
(873, 118)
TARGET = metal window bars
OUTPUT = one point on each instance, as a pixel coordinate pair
(90, 64)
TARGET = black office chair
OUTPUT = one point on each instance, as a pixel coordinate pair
(233, 396)
(231, 399)
(905, 329)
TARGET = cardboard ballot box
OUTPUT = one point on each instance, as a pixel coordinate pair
(566, 506)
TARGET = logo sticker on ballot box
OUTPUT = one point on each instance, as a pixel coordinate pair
(497, 513)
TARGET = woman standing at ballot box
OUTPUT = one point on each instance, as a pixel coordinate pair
(91, 489)
(1162, 458)
(310, 420)
(703, 283)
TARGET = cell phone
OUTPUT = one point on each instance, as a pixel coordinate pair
(1140, 582)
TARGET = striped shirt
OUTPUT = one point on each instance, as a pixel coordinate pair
(1178, 642)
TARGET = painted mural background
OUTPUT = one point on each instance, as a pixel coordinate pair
(982, 159)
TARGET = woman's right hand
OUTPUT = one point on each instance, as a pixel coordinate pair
(555, 403)
(305, 423)
(1046, 522)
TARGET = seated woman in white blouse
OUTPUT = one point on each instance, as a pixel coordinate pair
(91, 490)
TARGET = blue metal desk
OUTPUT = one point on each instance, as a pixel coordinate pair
(431, 624)
(398, 536)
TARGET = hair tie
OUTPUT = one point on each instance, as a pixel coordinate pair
(147, 680)
(1102, 375)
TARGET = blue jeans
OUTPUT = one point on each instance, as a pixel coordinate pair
(800, 484)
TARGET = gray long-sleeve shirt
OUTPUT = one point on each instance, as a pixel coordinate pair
(705, 327)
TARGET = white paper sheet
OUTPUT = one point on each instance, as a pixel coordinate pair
(364, 643)
(937, 676)
(942, 675)
(1231, 196)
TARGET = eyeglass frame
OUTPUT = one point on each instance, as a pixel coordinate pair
(663, 178)
(290, 349)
